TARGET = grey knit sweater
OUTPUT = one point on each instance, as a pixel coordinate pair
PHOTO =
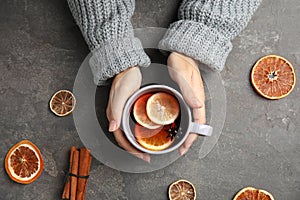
(204, 32)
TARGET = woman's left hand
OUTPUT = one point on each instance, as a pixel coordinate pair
(185, 72)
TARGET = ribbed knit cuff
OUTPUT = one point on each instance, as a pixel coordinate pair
(115, 57)
(198, 41)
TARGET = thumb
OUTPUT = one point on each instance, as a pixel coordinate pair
(124, 85)
(188, 93)
(118, 101)
(187, 143)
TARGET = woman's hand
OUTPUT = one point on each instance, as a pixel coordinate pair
(185, 72)
(123, 86)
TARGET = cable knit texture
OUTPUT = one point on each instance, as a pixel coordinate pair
(106, 27)
(204, 32)
(206, 28)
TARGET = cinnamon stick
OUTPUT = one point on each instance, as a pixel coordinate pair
(90, 162)
(66, 192)
(74, 171)
(84, 168)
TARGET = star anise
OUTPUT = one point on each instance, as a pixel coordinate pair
(173, 130)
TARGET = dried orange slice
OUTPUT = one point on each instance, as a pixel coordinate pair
(140, 114)
(23, 162)
(62, 103)
(153, 139)
(162, 108)
(182, 190)
(273, 77)
(250, 193)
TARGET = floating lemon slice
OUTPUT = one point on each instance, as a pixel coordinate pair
(153, 139)
(140, 114)
(162, 108)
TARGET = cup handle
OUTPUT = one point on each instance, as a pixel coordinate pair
(201, 129)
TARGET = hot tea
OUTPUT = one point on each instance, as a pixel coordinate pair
(155, 120)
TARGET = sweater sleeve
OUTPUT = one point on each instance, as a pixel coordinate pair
(206, 27)
(106, 27)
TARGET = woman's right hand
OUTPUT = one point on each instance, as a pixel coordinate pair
(123, 86)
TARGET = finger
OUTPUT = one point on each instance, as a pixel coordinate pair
(118, 102)
(199, 115)
(197, 86)
(112, 123)
(191, 86)
(124, 143)
(124, 85)
(195, 90)
(187, 143)
(190, 93)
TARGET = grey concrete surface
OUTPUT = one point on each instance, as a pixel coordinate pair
(41, 50)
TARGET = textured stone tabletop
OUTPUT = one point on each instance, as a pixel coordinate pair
(41, 50)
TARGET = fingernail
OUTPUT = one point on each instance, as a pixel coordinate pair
(146, 158)
(182, 152)
(140, 156)
(112, 126)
